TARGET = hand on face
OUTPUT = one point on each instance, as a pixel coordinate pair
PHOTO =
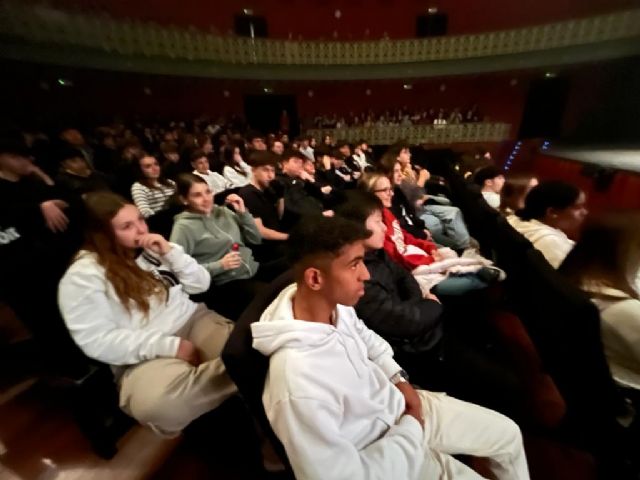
(154, 242)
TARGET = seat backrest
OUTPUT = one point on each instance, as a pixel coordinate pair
(246, 366)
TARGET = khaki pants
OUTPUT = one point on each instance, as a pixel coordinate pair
(456, 427)
(166, 394)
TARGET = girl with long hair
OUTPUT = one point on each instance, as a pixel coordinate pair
(605, 262)
(151, 191)
(235, 170)
(125, 300)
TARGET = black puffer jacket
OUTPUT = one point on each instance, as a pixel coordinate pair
(394, 308)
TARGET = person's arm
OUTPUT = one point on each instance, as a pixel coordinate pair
(193, 276)
(88, 314)
(310, 432)
(268, 233)
(248, 228)
(140, 195)
(425, 245)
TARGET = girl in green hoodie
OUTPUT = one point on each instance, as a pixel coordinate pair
(217, 237)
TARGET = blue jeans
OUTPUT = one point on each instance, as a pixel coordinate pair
(459, 285)
(446, 225)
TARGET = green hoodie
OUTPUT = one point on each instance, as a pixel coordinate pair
(209, 238)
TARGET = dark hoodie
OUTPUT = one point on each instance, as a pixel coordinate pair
(394, 308)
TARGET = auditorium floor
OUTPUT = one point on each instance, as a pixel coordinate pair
(40, 441)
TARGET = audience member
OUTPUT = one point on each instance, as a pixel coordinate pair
(551, 218)
(236, 171)
(200, 162)
(491, 180)
(133, 312)
(336, 398)
(76, 177)
(605, 263)
(513, 193)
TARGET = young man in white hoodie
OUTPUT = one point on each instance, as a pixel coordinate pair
(336, 398)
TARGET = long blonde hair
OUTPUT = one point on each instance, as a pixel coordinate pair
(130, 282)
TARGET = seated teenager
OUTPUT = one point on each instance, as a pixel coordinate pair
(217, 237)
(490, 179)
(444, 221)
(200, 163)
(76, 177)
(169, 159)
(336, 398)
(552, 216)
(440, 271)
(125, 300)
(394, 307)
(302, 197)
(338, 176)
(605, 263)
(235, 170)
(265, 206)
(37, 240)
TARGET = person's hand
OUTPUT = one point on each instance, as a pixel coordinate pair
(231, 260)
(326, 162)
(154, 242)
(326, 189)
(306, 176)
(423, 176)
(236, 202)
(328, 213)
(53, 215)
(413, 405)
(35, 170)
(428, 234)
(187, 352)
(431, 296)
(437, 256)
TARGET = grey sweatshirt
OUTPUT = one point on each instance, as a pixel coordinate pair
(209, 238)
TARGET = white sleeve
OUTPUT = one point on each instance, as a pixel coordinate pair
(309, 430)
(193, 276)
(88, 314)
(140, 196)
(378, 350)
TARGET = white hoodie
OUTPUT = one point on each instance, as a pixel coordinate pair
(329, 399)
(106, 331)
(553, 243)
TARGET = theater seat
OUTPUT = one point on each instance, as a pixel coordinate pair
(247, 367)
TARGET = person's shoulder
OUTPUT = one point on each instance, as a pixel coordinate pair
(84, 266)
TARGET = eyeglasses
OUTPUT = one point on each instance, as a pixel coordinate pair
(383, 190)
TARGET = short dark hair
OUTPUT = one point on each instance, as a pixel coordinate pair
(320, 151)
(317, 236)
(550, 194)
(196, 154)
(358, 205)
(291, 153)
(342, 143)
(486, 173)
(337, 154)
(262, 158)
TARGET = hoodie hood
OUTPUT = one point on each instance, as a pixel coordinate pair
(277, 327)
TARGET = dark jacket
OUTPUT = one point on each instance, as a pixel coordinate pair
(394, 308)
(405, 212)
(300, 199)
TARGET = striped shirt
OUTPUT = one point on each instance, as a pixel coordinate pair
(151, 200)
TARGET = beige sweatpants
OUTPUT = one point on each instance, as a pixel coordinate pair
(166, 394)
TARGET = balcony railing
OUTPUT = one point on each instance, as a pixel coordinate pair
(47, 26)
(418, 134)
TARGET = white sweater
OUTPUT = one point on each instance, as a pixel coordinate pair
(553, 243)
(217, 183)
(329, 399)
(236, 179)
(106, 331)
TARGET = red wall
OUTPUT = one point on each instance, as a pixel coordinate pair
(315, 19)
(98, 93)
